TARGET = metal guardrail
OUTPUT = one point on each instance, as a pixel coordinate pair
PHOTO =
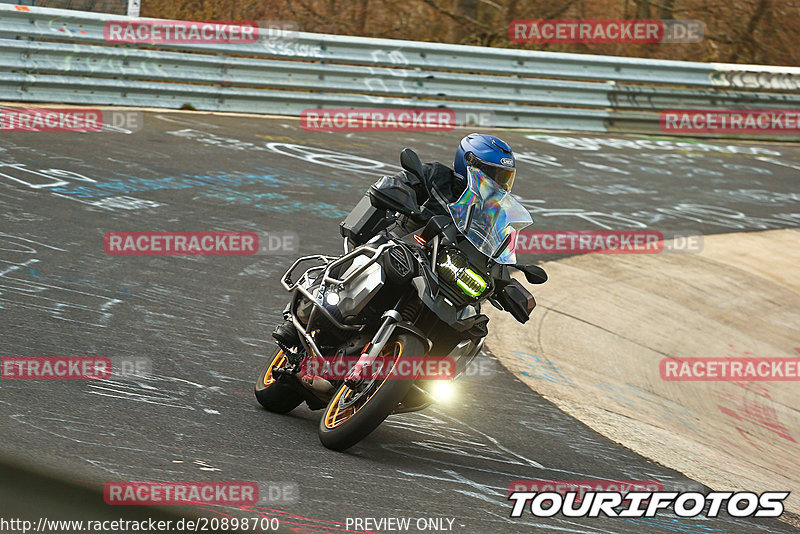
(53, 55)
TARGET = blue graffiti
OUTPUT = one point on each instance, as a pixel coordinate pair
(221, 185)
(132, 184)
(541, 367)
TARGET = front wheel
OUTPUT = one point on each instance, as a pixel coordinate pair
(273, 395)
(350, 416)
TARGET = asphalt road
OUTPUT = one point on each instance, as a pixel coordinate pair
(203, 322)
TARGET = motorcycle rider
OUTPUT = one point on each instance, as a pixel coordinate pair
(488, 153)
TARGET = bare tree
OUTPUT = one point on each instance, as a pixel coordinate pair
(736, 30)
(747, 39)
(666, 9)
(466, 9)
(642, 9)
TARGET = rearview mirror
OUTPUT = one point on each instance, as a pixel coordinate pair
(533, 273)
(410, 162)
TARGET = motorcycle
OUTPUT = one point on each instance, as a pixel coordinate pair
(393, 296)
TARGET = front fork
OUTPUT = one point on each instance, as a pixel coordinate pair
(373, 349)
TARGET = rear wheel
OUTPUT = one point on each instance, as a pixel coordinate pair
(350, 415)
(273, 395)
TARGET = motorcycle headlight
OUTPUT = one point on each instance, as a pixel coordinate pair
(471, 282)
(454, 268)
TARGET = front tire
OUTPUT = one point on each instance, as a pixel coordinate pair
(272, 395)
(341, 428)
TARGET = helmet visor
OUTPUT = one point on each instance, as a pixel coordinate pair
(502, 176)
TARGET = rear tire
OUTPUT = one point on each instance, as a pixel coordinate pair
(272, 395)
(340, 434)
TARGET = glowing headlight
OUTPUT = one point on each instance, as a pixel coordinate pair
(442, 391)
(453, 268)
(332, 299)
(471, 282)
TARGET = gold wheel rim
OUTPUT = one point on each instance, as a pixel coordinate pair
(334, 416)
(279, 360)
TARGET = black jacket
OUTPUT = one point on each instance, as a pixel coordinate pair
(439, 180)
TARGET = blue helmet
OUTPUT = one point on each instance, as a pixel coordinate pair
(488, 153)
